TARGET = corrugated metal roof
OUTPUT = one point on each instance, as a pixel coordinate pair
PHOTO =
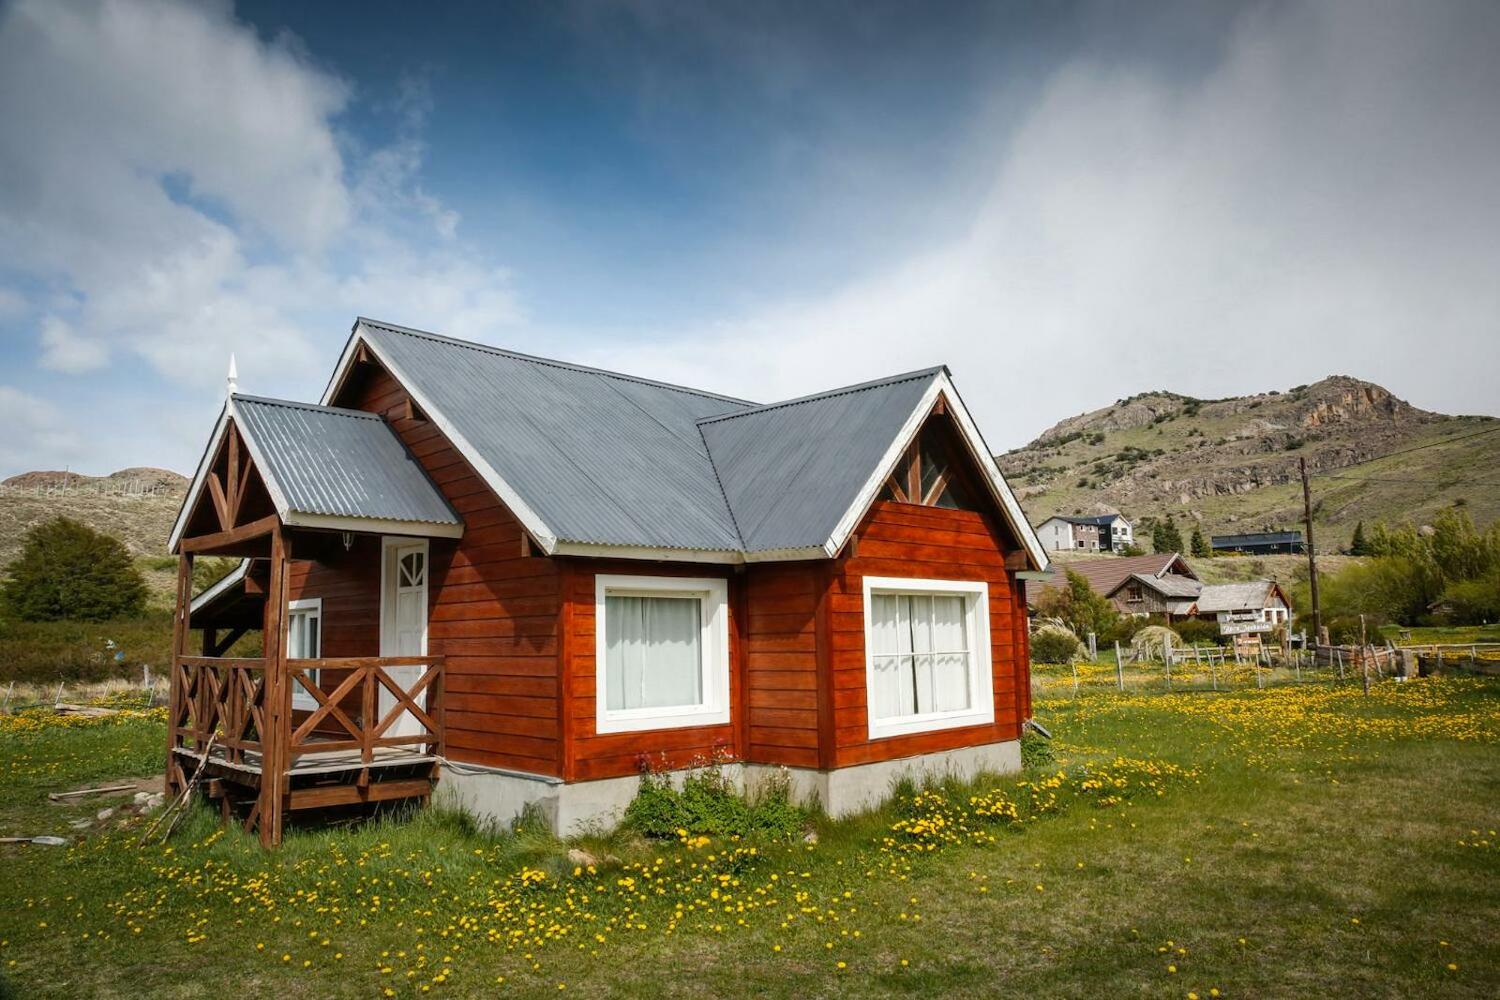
(348, 463)
(1170, 584)
(790, 470)
(600, 457)
(1217, 597)
(1258, 538)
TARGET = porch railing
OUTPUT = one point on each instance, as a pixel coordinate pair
(411, 715)
(369, 704)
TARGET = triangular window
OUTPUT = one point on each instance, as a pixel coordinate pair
(928, 474)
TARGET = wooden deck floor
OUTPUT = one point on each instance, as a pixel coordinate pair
(318, 762)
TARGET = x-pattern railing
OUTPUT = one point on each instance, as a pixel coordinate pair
(335, 725)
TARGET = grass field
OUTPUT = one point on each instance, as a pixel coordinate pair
(1301, 840)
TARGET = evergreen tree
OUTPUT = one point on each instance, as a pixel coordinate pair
(69, 570)
(1199, 545)
(1171, 537)
(1357, 545)
(1159, 537)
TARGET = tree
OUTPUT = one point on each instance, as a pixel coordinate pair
(1357, 545)
(1078, 606)
(1199, 546)
(1171, 538)
(69, 570)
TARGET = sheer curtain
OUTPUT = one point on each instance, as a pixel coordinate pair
(654, 656)
(920, 652)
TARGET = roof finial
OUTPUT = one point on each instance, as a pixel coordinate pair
(234, 376)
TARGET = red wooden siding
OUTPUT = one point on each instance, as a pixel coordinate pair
(492, 611)
(613, 755)
(781, 663)
(930, 543)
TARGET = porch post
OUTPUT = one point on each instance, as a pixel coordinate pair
(278, 715)
(175, 694)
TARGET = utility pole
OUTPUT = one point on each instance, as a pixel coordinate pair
(1312, 560)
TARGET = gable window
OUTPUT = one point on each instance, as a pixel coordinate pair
(304, 641)
(927, 655)
(927, 474)
(661, 652)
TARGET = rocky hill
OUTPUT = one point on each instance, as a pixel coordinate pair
(136, 506)
(1231, 464)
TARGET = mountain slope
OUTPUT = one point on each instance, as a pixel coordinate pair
(1231, 464)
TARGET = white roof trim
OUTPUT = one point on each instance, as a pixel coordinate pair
(372, 525)
(195, 489)
(230, 579)
(942, 385)
(530, 520)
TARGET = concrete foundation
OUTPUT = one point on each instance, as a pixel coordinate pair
(569, 809)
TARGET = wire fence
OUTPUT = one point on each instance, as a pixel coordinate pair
(113, 487)
(1216, 668)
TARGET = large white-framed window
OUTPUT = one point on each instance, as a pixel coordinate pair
(927, 655)
(661, 652)
(304, 641)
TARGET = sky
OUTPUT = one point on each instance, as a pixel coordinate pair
(1066, 203)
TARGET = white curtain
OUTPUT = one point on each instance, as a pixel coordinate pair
(653, 650)
(920, 648)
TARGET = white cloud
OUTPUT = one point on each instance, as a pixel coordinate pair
(65, 351)
(1322, 200)
(176, 189)
(35, 436)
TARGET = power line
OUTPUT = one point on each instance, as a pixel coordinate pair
(1407, 481)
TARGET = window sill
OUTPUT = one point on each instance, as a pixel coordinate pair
(914, 724)
(610, 722)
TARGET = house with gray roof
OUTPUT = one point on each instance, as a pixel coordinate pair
(530, 580)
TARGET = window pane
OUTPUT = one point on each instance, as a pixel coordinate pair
(653, 652)
(919, 645)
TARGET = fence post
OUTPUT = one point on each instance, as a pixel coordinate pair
(1166, 656)
(1119, 667)
(1214, 671)
(1093, 647)
(1075, 676)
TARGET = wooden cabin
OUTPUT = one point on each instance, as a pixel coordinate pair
(524, 582)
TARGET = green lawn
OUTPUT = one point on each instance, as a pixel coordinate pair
(1302, 840)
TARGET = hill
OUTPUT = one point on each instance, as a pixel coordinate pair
(137, 506)
(1230, 465)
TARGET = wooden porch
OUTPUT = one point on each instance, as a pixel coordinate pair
(271, 735)
(261, 758)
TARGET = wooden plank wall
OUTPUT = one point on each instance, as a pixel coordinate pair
(614, 755)
(493, 610)
(781, 653)
(922, 542)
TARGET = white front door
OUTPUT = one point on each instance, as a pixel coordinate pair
(403, 624)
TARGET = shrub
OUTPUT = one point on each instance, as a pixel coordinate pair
(708, 804)
(1078, 606)
(1053, 646)
(1196, 630)
(69, 570)
(1036, 751)
(1474, 602)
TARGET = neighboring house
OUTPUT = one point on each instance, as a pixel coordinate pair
(534, 579)
(1264, 543)
(1101, 533)
(1170, 594)
(1239, 608)
(1245, 608)
(1106, 575)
